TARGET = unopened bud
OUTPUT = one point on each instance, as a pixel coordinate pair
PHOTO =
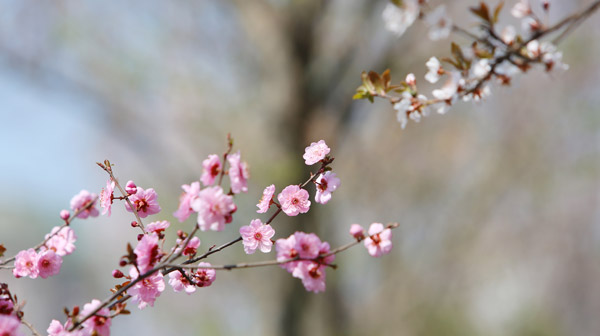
(117, 274)
(357, 232)
(122, 263)
(140, 236)
(131, 188)
(64, 214)
(134, 224)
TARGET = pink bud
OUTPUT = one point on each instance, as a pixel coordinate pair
(130, 187)
(134, 223)
(122, 263)
(357, 231)
(117, 274)
(140, 236)
(64, 214)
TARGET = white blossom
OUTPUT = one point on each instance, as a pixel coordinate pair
(440, 24)
(398, 18)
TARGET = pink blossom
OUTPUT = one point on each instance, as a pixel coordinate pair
(26, 264)
(57, 329)
(256, 235)
(106, 196)
(204, 277)
(357, 231)
(130, 188)
(379, 241)
(326, 184)
(325, 249)
(157, 227)
(307, 245)
(286, 249)
(185, 200)
(312, 275)
(147, 251)
(61, 241)
(99, 323)
(315, 152)
(64, 214)
(180, 283)
(6, 305)
(214, 208)
(48, 263)
(9, 325)
(211, 169)
(145, 202)
(294, 200)
(192, 246)
(265, 201)
(145, 292)
(81, 200)
(238, 173)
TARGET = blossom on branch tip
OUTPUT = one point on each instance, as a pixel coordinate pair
(265, 201)
(521, 9)
(257, 236)
(145, 202)
(191, 247)
(238, 173)
(99, 323)
(83, 200)
(130, 188)
(379, 241)
(48, 263)
(214, 208)
(180, 283)
(106, 196)
(157, 227)
(316, 152)
(185, 201)
(9, 325)
(211, 168)
(204, 277)
(294, 200)
(326, 184)
(26, 264)
(357, 231)
(398, 18)
(57, 329)
(61, 240)
(312, 275)
(145, 292)
(440, 24)
(435, 70)
(64, 214)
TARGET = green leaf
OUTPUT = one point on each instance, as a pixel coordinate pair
(497, 11)
(482, 11)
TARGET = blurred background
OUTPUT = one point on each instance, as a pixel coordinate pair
(499, 201)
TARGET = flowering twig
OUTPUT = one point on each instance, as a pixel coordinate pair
(31, 328)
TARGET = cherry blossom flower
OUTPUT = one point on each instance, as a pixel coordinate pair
(26, 264)
(257, 236)
(435, 70)
(81, 200)
(130, 188)
(204, 277)
(180, 283)
(286, 249)
(48, 263)
(521, 9)
(411, 79)
(315, 152)
(238, 173)
(64, 214)
(440, 24)
(185, 200)
(145, 202)
(481, 68)
(357, 231)
(9, 325)
(191, 248)
(211, 168)
(294, 200)
(379, 241)
(61, 240)
(398, 18)
(148, 252)
(307, 245)
(106, 196)
(265, 201)
(508, 35)
(57, 329)
(214, 208)
(158, 227)
(312, 275)
(326, 183)
(99, 323)
(145, 292)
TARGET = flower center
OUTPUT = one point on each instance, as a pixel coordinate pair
(295, 201)
(376, 240)
(258, 236)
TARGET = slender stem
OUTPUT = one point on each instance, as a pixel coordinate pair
(31, 328)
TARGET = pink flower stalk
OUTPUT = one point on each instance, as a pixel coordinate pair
(315, 152)
(130, 188)
(185, 200)
(26, 264)
(64, 214)
(238, 173)
(265, 201)
(312, 275)
(9, 325)
(106, 196)
(61, 242)
(294, 200)
(148, 253)
(326, 184)
(99, 323)
(145, 292)
(48, 263)
(157, 227)
(286, 249)
(145, 202)
(379, 241)
(357, 231)
(211, 169)
(214, 208)
(81, 200)
(257, 236)
(180, 283)
(204, 277)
